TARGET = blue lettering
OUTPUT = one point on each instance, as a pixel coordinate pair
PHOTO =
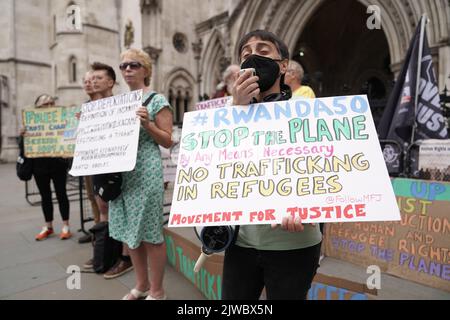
(320, 107)
(262, 113)
(220, 117)
(299, 105)
(244, 115)
(359, 104)
(286, 111)
(339, 108)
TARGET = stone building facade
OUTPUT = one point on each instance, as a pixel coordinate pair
(192, 42)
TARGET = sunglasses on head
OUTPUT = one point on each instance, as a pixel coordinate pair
(132, 65)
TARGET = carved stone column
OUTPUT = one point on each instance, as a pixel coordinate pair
(197, 48)
(154, 53)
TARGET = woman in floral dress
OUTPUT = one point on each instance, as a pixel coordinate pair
(136, 217)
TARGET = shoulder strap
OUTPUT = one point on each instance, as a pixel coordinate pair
(147, 102)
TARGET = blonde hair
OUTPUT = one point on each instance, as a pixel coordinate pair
(141, 57)
(44, 99)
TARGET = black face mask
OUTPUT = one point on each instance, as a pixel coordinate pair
(267, 70)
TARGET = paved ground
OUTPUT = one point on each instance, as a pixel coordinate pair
(37, 270)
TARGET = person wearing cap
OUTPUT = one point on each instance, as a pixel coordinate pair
(46, 170)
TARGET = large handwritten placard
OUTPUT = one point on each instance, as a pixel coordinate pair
(50, 132)
(318, 160)
(108, 135)
(417, 248)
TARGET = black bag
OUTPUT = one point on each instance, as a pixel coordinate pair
(109, 186)
(106, 250)
(24, 166)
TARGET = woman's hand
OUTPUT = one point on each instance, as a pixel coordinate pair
(23, 131)
(143, 116)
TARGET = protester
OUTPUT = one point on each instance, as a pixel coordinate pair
(228, 78)
(46, 170)
(136, 217)
(103, 81)
(284, 259)
(89, 90)
(294, 79)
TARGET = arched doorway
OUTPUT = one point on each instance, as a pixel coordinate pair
(341, 56)
(179, 88)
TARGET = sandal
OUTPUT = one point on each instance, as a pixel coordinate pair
(138, 295)
(149, 297)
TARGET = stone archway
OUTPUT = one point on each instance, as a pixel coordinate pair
(179, 88)
(212, 63)
(371, 56)
(289, 18)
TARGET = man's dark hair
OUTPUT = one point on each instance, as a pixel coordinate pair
(97, 66)
(266, 36)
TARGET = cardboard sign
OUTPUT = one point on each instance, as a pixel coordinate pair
(417, 248)
(316, 159)
(108, 135)
(213, 104)
(50, 132)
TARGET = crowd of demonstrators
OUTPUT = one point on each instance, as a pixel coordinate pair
(228, 78)
(136, 216)
(46, 171)
(294, 79)
(283, 259)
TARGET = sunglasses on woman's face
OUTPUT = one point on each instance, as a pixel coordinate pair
(132, 65)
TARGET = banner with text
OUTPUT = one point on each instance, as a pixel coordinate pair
(213, 104)
(434, 160)
(108, 135)
(316, 159)
(417, 248)
(50, 132)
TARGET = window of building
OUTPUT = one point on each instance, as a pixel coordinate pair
(73, 70)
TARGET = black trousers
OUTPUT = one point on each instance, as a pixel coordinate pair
(45, 171)
(286, 275)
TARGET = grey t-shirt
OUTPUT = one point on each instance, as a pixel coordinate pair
(265, 238)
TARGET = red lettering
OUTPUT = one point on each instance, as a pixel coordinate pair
(317, 212)
(269, 215)
(347, 213)
(328, 211)
(237, 215)
(360, 210)
(304, 214)
(292, 212)
(176, 219)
